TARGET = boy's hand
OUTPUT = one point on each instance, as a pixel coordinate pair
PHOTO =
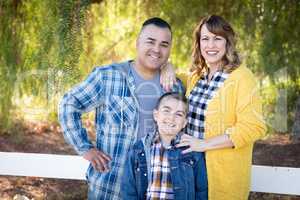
(98, 159)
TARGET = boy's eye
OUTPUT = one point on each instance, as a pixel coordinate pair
(179, 115)
(165, 110)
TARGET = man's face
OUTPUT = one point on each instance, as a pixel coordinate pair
(153, 47)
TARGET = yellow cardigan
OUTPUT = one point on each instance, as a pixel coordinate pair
(236, 110)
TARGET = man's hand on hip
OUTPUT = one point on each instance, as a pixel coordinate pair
(98, 159)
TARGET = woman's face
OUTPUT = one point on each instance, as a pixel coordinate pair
(213, 47)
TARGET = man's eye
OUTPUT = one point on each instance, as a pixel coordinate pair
(164, 45)
(150, 42)
(204, 38)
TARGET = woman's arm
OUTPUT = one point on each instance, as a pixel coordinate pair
(202, 145)
(249, 125)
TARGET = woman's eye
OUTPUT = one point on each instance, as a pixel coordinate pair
(204, 38)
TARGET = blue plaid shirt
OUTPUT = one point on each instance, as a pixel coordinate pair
(110, 90)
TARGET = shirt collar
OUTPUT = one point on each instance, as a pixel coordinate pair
(174, 141)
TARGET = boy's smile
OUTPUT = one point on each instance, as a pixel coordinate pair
(170, 117)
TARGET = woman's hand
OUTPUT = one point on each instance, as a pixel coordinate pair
(193, 143)
(167, 76)
(199, 145)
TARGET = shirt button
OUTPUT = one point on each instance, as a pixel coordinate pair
(191, 162)
(142, 154)
(145, 174)
(138, 169)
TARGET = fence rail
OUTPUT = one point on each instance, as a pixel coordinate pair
(268, 179)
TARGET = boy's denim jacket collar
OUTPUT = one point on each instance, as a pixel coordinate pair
(148, 141)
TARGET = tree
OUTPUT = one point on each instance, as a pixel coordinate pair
(64, 40)
(38, 35)
(296, 126)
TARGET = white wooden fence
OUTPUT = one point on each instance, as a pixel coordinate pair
(278, 180)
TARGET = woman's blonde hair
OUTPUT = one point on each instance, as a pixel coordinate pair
(218, 26)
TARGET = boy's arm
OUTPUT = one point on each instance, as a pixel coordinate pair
(82, 98)
(201, 189)
(128, 185)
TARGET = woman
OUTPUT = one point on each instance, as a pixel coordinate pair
(225, 112)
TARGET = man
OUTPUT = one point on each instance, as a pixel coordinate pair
(124, 96)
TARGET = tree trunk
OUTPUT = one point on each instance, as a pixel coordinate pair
(296, 126)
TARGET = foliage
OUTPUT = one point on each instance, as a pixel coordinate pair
(9, 54)
(47, 46)
(279, 112)
(41, 39)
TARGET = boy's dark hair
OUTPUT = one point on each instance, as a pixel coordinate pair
(157, 22)
(174, 95)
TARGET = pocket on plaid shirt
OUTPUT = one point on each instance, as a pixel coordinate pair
(121, 110)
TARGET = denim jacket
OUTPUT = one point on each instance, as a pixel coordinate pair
(188, 173)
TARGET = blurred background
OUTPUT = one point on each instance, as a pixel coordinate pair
(48, 46)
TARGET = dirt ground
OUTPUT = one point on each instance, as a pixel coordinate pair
(276, 150)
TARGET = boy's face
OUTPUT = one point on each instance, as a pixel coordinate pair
(170, 116)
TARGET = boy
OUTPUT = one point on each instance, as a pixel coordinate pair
(155, 168)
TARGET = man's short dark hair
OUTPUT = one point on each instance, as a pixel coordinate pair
(157, 22)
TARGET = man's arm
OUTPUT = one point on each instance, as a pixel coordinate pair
(82, 98)
(169, 77)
